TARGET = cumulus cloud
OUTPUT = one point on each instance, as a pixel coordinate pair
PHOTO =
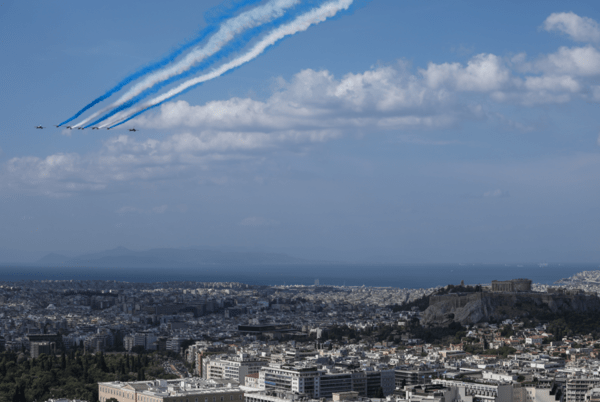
(581, 29)
(576, 61)
(257, 221)
(315, 106)
(484, 73)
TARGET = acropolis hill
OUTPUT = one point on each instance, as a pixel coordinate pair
(505, 300)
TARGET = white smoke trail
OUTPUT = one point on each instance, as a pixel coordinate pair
(229, 29)
(302, 23)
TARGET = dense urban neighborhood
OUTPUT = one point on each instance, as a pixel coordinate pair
(509, 341)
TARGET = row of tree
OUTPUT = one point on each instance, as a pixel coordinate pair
(72, 375)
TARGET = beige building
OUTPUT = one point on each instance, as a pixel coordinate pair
(181, 390)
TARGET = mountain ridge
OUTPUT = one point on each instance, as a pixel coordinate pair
(166, 258)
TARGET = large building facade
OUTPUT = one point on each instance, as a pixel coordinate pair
(186, 390)
(323, 383)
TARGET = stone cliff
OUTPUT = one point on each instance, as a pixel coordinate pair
(472, 308)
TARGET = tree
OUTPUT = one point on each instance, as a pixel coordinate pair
(19, 395)
(102, 363)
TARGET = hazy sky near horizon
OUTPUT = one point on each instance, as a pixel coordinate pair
(404, 131)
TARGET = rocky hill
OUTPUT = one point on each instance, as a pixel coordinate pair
(472, 308)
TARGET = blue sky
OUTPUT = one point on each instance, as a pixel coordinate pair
(402, 131)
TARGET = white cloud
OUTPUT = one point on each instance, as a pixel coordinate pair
(257, 221)
(581, 29)
(563, 83)
(484, 73)
(576, 61)
(313, 106)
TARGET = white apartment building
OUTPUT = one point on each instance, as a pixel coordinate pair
(324, 383)
(233, 367)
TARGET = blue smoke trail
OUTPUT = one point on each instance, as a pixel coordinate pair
(234, 46)
(355, 6)
(223, 12)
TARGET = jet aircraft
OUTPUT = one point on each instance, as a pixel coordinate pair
(95, 128)
(132, 129)
(39, 127)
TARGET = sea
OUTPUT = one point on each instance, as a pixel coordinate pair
(411, 276)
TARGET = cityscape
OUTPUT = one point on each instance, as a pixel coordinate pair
(299, 201)
(191, 340)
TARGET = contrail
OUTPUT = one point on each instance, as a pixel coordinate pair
(226, 51)
(222, 14)
(227, 32)
(301, 23)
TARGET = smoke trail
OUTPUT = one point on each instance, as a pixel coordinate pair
(227, 32)
(222, 15)
(251, 34)
(301, 23)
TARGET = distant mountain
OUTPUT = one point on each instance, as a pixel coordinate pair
(52, 259)
(167, 258)
(12, 256)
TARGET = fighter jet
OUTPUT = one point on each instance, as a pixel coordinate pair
(39, 127)
(69, 127)
(132, 129)
(95, 128)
